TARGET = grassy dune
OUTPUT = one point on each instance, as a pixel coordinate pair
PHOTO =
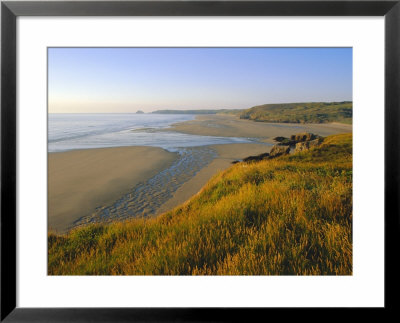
(287, 216)
(314, 112)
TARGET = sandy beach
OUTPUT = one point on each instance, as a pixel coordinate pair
(85, 183)
(231, 126)
(81, 180)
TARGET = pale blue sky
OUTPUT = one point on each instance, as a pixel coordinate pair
(128, 79)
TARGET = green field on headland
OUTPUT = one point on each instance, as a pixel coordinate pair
(291, 215)
(313, 112)
(218, 111)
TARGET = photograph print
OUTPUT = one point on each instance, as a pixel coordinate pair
(200, 161)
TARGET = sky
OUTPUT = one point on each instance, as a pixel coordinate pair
(124, 80)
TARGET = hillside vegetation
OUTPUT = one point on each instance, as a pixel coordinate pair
(287, 216)
(314, 112)
(218, 111)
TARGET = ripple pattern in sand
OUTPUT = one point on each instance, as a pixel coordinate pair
(144, 199)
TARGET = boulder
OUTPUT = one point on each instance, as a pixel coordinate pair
(302, 146)
(280, 139)
(279, 150)
(283, 140)
(294, 139)
(304, 136)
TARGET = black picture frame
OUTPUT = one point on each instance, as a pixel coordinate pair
(10, 10)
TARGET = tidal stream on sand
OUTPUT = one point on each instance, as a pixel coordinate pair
(144, 199)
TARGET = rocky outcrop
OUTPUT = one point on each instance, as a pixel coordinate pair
(276, 151)
(294, 139)
(296, 143)
(305, 145)
(305, 136)
(279, 150)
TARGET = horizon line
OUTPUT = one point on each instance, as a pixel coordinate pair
(176, 109)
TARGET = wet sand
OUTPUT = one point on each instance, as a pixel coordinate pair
(81, 180)
(231, 126)
(145, 198)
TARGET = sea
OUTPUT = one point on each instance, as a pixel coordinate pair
(85, 131)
